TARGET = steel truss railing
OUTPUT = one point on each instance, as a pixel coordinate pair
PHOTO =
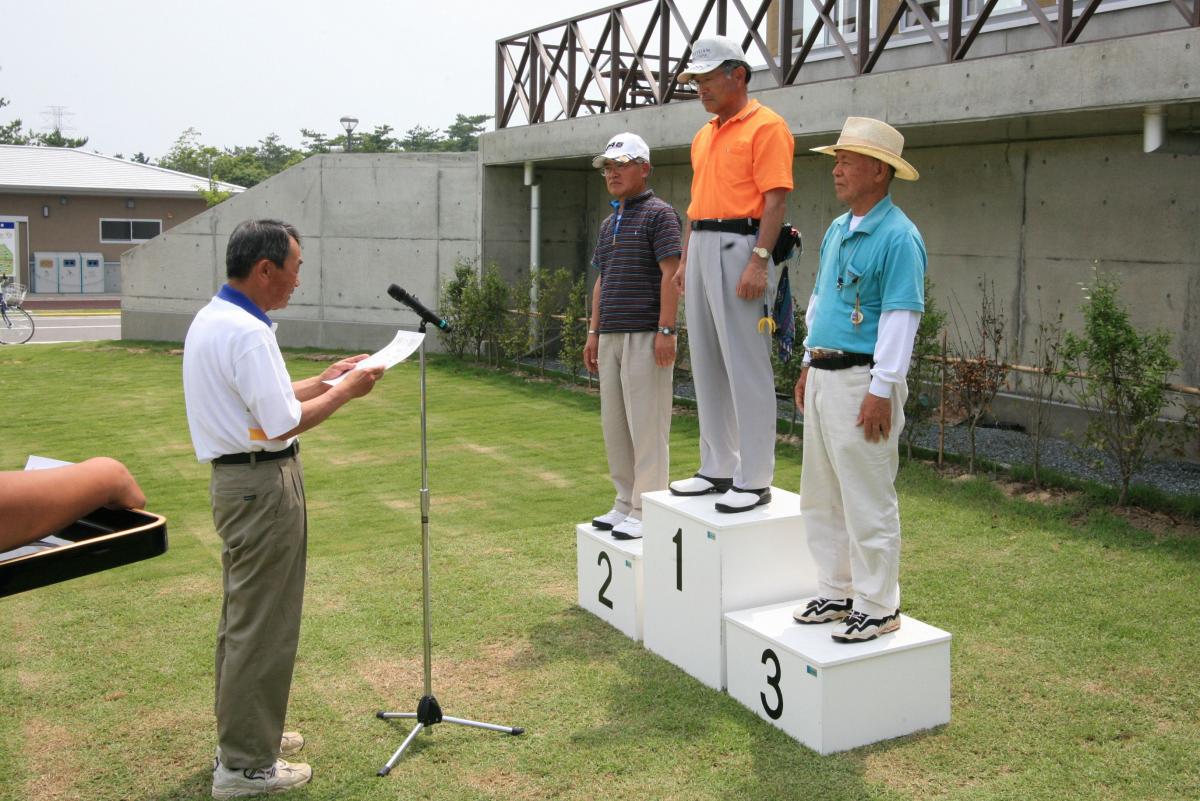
(603, 61)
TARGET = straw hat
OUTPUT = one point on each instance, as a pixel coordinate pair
(876, 139)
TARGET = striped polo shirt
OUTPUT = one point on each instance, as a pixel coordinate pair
(631, 245)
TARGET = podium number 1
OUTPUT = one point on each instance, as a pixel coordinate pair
(603, 559)
(678, 540)
(773, 682)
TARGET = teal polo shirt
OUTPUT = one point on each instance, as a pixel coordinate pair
(881, 263)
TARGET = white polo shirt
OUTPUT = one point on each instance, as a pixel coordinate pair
(236, 388)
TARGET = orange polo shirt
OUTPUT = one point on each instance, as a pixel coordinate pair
(735, 163)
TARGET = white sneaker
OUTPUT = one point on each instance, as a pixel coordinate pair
(606, 521)
(699, 485)
(737, 500)
(628, 529)
(278, 778)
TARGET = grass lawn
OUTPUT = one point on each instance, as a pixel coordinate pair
(1075, 636)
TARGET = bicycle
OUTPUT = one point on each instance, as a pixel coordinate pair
(16, 326)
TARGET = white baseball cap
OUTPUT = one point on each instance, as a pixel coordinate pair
(624, 148)
(709, 53)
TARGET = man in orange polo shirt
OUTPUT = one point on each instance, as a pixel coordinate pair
(741, 176)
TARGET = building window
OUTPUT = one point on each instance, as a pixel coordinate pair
(129, 230)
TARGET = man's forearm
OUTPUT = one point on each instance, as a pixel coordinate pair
(774, 209)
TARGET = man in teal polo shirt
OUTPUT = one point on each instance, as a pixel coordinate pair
(862, 318)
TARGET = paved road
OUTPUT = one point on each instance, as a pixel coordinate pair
(84, 328)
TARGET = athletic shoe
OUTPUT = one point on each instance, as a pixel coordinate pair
(628, 529)
(860, 628)
(290, 744)
(699, 485)
(823, 610)
(606, 521)
(740, 500)
(278, 778)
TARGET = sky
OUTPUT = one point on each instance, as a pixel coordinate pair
(132, 75)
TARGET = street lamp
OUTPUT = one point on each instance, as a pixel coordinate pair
(349, 123)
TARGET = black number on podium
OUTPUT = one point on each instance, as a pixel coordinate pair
(773, 682)
(678, 540)
(603, 559)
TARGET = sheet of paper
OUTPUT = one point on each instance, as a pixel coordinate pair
(43, 463)
(396, 351)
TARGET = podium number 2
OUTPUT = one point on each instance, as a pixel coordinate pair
(678, 540)
(773, 682)
(603, 559)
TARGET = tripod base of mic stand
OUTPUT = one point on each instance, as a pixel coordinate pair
(429, 713)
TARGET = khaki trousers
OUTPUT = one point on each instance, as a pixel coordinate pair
(731, 361)
(635, 413)
(848, 492)
(260, 516)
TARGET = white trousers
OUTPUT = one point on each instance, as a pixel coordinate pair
(848, 492)
(635, 413)
(731, 361)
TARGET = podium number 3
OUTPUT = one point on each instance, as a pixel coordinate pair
(678, 540)
(773, 682)
(603, 559)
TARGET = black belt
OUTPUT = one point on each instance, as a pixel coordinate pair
(841, 361)
(258, 456)
(741, 225)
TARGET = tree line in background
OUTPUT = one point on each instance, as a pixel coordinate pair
(247, 165)
(960, 361)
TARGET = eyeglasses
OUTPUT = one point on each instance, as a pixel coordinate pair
(612, 167)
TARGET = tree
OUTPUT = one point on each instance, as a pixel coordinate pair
(10, 132)
(979, 371)
(574, 330)
(1117, 374)
(462, 135)
(1047, 348)
(419, 139)
(56, 139)
(188, 155)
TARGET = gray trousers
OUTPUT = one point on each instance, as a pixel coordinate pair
(635, 412)
(731, 361)
(260, 516)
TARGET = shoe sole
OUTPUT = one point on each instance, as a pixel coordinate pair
(831, 618)
(763, 500)
(250, 792)
(616, 535)
(887, 629)
(709, 491)
(602, 526)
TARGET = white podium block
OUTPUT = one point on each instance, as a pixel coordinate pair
(701, 563)
(834, 696)
(610, 578)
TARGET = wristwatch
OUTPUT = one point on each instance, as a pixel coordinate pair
(762, 253)
(666, 329)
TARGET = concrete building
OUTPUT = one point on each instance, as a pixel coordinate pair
(60, 200)
(1045, 151)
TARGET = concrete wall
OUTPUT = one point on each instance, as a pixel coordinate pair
(366, 220)
(1032, 218)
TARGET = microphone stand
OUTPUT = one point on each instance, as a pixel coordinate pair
(428, 711)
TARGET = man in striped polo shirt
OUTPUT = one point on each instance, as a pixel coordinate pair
(631, 335)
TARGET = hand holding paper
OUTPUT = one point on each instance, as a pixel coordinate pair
(396, 351)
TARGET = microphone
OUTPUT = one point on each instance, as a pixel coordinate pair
(417, 306)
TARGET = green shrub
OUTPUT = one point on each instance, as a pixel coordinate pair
(1117, 374)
